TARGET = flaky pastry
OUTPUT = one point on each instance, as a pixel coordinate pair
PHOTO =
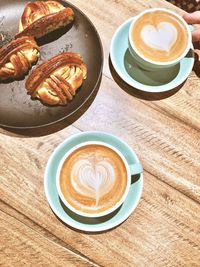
(40, 18)
(56, 81)
(16, 57)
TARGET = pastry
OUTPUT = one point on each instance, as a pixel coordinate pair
(40, 18)
(56, 81)
(16, 57)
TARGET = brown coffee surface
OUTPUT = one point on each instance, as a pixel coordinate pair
(160, 36)
(93, 178)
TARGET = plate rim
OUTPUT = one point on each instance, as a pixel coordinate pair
(138, 85)
(51, 203)
(97, 84)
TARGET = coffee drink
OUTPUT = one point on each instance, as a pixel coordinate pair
(93, 178)
(159, 36)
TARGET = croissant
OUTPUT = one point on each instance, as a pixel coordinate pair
(40, 18)
(56, 81)
(16, 57)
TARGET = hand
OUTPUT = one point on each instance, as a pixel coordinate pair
(193, 18)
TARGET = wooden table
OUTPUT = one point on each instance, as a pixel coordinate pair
(164, 130)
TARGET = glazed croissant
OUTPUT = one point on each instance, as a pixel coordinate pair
(16, 57)
(55, 81)
(40, 18)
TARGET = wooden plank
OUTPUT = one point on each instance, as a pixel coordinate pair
(180, 155)
(158, 139)
(159, 229)
(22, 246)
(163, 231)
(184, 104)
(167, 148)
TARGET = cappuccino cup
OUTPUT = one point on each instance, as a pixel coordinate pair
(159, 38)
(93, 179)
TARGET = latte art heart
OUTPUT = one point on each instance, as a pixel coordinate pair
(93, 176)
(161, 37)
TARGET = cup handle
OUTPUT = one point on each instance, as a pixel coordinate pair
(191, 27)
(136, 168)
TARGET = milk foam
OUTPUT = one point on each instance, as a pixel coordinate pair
(161, 37)
(93, 175)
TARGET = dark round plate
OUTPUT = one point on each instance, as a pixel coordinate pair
(17, 109)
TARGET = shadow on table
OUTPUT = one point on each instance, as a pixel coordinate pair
(88, 221)
(49, 38)
(95, 221)
(54, 127)
(151, 96)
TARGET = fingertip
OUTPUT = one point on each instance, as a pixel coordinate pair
(192, 17)
(196, 35)
(188, 17)
(185, 15)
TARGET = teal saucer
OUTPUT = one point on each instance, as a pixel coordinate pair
(149, 81)
(80, 222)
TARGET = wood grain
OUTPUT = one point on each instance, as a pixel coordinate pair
(22, 246)
(164, 229)
(158, 139)
(184, 104)
(167, 148)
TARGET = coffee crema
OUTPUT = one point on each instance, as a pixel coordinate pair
(160, 36)
(93, 178)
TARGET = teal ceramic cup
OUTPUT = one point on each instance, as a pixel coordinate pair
(80, 222)
(131, 169)
(144, 61)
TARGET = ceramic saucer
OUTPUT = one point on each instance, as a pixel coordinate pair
(145, 80)
(80, 222)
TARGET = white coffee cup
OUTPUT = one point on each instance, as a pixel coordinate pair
(131, 169)
(148, 63)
